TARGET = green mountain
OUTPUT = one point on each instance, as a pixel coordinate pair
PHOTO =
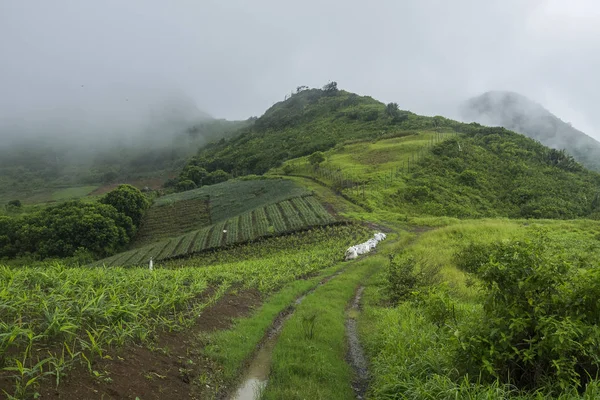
(520, 114)
(310, 120)
(480, 172)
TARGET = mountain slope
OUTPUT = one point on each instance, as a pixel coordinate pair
(518, 113)
(310, 120)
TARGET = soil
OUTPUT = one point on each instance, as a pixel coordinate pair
(164, 371)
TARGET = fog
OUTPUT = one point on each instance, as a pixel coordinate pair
(89, 69)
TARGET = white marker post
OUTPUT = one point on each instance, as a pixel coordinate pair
(150, 264)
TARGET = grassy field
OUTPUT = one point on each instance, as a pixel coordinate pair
(280, 218)
(368, 172)
(427, 327)
(48, 195)
(56, 317)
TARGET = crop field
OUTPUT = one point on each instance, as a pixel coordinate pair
(56, 317)
(280, 218)
(234, 197)
(165, 220)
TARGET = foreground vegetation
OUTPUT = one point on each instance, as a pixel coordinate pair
(487, 309)
(55, 317)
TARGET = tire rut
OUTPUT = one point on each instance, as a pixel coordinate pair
(256, 376)
(356, 356)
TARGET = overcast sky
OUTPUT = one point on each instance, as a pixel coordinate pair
(110, 59)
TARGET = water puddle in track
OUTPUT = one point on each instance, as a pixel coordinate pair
(356, 355)
(257, 375)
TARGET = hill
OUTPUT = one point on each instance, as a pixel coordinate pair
(520, 114)
(310, 120)
(484, 172)
(44, 169)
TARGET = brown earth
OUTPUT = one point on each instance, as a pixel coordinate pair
(167, 370)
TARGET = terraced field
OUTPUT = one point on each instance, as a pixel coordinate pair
(172, 219)
(286, 216)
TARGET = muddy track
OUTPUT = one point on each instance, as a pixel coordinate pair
(256, 375)
(356, 356)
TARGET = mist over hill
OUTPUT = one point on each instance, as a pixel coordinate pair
(106, 137)
(520, 114)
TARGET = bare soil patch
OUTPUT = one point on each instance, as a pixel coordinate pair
(167, 370)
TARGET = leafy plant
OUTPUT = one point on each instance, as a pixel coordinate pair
(540, 318)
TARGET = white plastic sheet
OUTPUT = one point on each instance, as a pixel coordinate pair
(364, 248)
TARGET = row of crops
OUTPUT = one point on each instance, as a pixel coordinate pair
(274, 219)
(55, 316)
(172, 219)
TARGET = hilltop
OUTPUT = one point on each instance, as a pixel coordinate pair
(520, 114)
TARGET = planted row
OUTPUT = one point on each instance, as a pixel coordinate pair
(274, 219)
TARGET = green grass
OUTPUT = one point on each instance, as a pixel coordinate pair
(73, 192)
(410, 356)
(306, 367)
(266, 221)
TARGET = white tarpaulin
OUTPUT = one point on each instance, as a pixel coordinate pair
(365, 247)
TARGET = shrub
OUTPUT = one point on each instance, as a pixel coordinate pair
(184, 185)
(14, 203)
(406, 275)
(540, 318)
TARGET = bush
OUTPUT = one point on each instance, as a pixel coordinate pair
(14, 203)
(406, 276)
(540, 318)
(217, 177)
(184, 185)
(128, 200)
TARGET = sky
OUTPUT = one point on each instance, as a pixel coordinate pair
(91, 64)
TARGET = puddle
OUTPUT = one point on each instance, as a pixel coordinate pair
(356, 355)
(257, 374)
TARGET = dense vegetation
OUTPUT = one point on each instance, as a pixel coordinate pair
(499, 309)
(518, 113)
(494, 172)
(87, 312)
(96, 229)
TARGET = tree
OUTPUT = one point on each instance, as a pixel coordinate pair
(217, 176)
(63, 230)
(184, 185)
(194, 173)
(316, 158)
(392, 110)
(331, 88)
(15, 203)
(128, 200)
